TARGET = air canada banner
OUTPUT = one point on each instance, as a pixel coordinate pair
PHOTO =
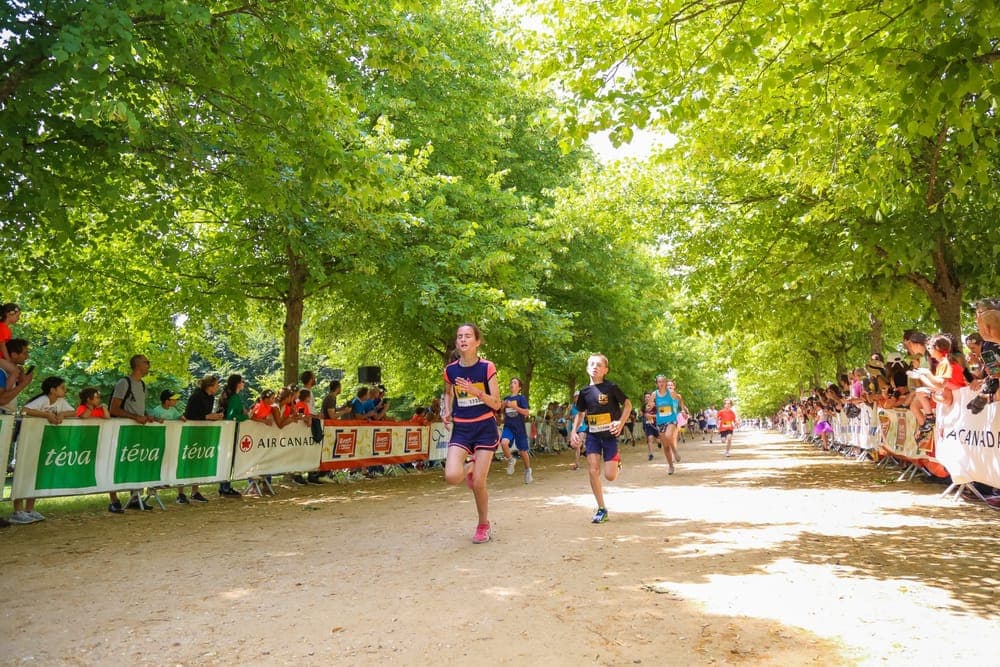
(968, 445)
(350, 444)
(90, 456)
(265, 450)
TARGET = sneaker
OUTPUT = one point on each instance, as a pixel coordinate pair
(182, 499)
(650, 457)
(298, 479)
(528, 479)
(230, 493)
(37, 516)
(116, 507)
(670, 470)
(21, 517)
(313, 478)
(617, 457)
(511, 463)
(600, 516)
(677, 457)
(198, 498)
(484, 533)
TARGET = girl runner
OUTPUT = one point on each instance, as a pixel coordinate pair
(472, 395)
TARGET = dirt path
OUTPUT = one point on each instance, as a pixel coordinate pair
(780, 555)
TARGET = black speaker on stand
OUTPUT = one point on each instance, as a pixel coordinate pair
(369, 374)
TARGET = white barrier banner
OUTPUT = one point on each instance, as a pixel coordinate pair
(869, 426)
(269, 450)
(6, 433)
(968, 445)
(440, 437)
(353, 444)
(898, 427)
(91, 456)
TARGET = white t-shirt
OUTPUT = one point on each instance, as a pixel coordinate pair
(42, 403)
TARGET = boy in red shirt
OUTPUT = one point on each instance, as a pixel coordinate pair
(727, 424)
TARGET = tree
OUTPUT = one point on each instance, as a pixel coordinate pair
(876, 122)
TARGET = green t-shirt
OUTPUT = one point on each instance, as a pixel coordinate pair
(236, 408)
(166, 414)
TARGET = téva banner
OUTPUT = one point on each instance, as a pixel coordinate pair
(90, 456)
(267, 450)
(968, 445)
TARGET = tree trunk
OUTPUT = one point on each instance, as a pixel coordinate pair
(294, 301)
(527, 370)
(944, 292)
(876, 335)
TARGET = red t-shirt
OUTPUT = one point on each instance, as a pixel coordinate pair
(97, 412)
(727, 419)
(261, 410)
(5, 335)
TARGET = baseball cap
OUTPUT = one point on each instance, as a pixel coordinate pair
(168, 395)
(895, 356)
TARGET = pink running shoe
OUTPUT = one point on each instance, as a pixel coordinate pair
(483, 533)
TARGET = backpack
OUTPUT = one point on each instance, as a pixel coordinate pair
(128, 392)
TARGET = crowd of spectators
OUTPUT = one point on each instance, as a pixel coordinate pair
(209, 400)
(926, 374)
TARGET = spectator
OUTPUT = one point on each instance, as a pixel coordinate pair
(13, 383)
(167, 409)
(329, 407)
(90, 406)
(379, 403)
(128, 401)
(937, 386)
(988, 323)
(434, 411)
(52, 405)
(200, 407)
(233, 408)
(361, 407)
(419, 416)
(9, 314)
(263, 410)
(284, 411)
(915, 344)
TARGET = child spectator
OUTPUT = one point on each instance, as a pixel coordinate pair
(419, 416)
(53, 406)
(167, 409)
(263, 410)
(937, 385)
(51, 403)
(9, 314)
(90, 406)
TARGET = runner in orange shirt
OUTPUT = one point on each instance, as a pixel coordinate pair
(728, 421)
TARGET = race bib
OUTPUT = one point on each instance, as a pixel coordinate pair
(665, 410)
(599, 423)
(467, 400)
